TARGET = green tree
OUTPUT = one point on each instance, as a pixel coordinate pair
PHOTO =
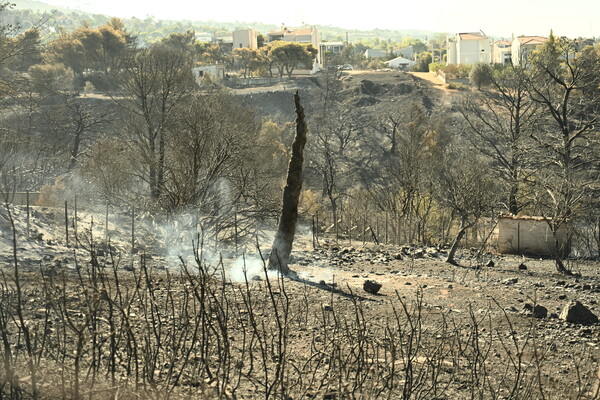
(423, 61)
(247, 59)
(480, 75)
(67, 50)
(286, 56)
(51, 78)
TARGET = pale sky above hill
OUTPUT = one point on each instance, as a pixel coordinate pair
(500, 18)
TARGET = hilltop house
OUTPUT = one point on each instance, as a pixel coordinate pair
(522, 46)
(469, 48)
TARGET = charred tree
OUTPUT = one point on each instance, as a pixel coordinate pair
(284, 239)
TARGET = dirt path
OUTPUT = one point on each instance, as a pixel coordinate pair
(432, 79)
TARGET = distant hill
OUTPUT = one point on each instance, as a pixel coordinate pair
(37, 6)
(28, 12)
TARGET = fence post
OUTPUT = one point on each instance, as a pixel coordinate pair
(386, 227)
(132, 230)
(317, 231)
(314, 234)
(235, 232)
(67, 223)
(75, 222)
(106, 226)
(364, 227)
(27, 199)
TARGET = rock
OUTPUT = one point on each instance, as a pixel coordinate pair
(586, 287)
(371, 287)
(327, 307)
(522, 267)
(577, 313)
(540, 311)
(510, 281)
(562, 297)
(490, 264)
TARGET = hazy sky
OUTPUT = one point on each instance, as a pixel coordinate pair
(499, 18)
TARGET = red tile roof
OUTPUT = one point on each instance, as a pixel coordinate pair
(533, 40)
(471, 36)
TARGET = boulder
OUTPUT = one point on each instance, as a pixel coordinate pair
(540, 311)
(577, 313)
(371, 286)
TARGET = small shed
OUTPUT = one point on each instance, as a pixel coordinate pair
(401, 63)
(530, 235)
(216, 70)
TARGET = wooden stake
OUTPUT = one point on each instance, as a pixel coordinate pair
(235, 232)
(75, 222)
(67, 222)
(132, 230)
(386, 227)
(106, 226)
(27, 199)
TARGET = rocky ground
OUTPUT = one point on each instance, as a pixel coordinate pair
(517, 308)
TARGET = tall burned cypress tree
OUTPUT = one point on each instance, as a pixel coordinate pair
(284, 239)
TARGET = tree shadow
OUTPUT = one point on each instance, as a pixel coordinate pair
(334, 289)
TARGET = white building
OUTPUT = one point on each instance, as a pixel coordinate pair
(332, 47)
(375, 53)
(245, 38)
(406, 52)
(204, 37)
(522, 46)
(401, 63)
(469, 48)
(502, 52)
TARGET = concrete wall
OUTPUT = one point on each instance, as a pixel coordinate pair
(529, 236)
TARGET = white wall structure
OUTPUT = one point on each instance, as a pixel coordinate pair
(529, 235)
(216, 70)
(469, 48)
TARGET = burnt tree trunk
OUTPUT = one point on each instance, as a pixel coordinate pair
(284, 239)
